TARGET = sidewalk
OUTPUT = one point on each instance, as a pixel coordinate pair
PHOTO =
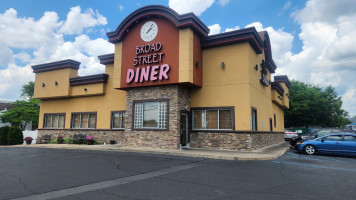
(266, 153)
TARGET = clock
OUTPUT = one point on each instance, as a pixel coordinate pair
(149, 31)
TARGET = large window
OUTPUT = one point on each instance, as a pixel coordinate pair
(118, 120)
(84, 120)
(54, 120)
(151, 115)
(213, 119)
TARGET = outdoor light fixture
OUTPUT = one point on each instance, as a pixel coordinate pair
(256, 67)
(223, 65)
(197, 64)
(85, 89)
(43, 84)
(55, 83)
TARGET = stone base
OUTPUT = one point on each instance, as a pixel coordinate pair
(234, 141)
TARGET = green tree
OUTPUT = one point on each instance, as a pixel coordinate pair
(3, 135)
(28, 89)
(311, 105)
(22, 113)
(15, 136)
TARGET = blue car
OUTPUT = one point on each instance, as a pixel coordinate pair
(336, 143)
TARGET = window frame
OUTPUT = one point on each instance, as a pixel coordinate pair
(83, 113)
(123, 112)
(147, 128)
(231, 108)
(252, 110)
(46, 114)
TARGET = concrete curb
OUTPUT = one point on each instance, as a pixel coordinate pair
(267, 153)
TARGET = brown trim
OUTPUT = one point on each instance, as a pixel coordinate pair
(111, 124)
(180, 21)
(150, 100)
(276, 86)
(232, 108)
(63, 64)
(107, 59)
(254, 109)
(84, 80)
(243, 35)
(44, 119)
(74, 113)
(282, 78)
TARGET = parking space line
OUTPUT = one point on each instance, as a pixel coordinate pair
(321, 158)
(316, 166)
(107, 184)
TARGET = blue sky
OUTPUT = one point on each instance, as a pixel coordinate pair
(311, 40)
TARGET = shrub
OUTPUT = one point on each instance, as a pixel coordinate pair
(4, 131)
(15, 136)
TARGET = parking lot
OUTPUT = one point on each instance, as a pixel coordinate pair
(35, 173)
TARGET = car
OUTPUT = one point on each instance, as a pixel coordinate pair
(336, 143)
(296, 141)
(289, 134)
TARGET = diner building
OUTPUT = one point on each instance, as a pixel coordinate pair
(169, 85)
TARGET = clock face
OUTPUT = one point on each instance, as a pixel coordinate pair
(149, 31)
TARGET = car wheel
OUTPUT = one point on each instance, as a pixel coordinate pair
(310, 149)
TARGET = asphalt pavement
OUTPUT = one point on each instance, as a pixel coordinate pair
(52, 173)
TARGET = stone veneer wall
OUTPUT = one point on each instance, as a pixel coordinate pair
(240, 141)
(103, 136)
(178, 100)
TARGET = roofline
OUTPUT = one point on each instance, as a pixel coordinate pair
(84, 80)
(282, 78)
(107, 58)
(180, 21)
(56, 66)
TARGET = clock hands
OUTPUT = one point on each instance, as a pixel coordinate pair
(149, 28)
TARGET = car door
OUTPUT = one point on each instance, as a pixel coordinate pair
(349, 145)
(330, 144)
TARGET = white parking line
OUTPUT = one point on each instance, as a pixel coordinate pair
(107, 184)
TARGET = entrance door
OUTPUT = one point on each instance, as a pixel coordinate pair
(184, 133)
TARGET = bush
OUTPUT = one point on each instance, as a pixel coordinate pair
(4, 131)
(15, 136)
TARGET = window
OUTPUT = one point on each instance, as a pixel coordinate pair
(118, 120)
(54, 120)
(151, 115)
(270, 124)
(254, 119)
(213, 119)
(333, 138)
(350, 138)
(275, 122)
(84, 120)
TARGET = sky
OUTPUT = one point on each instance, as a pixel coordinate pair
(312, 41)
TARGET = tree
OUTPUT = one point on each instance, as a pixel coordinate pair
(15, 136)
(28, 89)
(22, 113)
(311, 105)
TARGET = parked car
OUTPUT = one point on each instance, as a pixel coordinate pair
(296, 141)
(290, 134)
(336, 143)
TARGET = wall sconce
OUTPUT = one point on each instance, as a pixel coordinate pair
(55, 83)
(43, 85)
(85, 89)
(197, 64)
(262, 62)
(223, 65)
(256, 67)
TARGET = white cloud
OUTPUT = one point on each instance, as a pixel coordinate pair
(328, 55)
(186, 6)
(41, 41)
(232, 29)
(77, 21)
(121, 7)
(287, 5)
(214, 29)
(223, 2)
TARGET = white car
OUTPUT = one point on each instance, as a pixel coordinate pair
(290, 134)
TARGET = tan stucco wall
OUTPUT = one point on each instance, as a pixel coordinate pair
(117, 65)
(50, 90)
(185, 55)
(113, 100)
(228, 86)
